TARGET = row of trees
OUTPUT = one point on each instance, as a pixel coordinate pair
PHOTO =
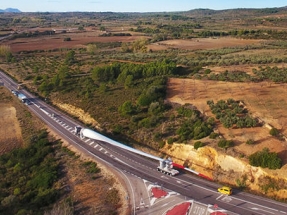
(273, 74)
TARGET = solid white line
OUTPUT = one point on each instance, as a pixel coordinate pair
(134, 204)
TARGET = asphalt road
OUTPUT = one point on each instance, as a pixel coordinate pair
(186, 184)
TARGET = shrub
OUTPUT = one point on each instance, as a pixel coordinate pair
(161, 144)
(170, 140)
(265, 159)
(274, 132)
(225, 143)
(198, 144)
(67, 39)
(250, 142)
(213, 135)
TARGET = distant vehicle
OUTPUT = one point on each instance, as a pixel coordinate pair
(14, 92)
(225, 190)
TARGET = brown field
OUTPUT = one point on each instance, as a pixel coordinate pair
(10, 132)
(263, 101)
(202, 43)
(78, 40)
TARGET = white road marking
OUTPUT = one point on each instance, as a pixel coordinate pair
(219, 197)
(258, 209)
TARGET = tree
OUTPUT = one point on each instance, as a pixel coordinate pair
(225, 143)
(274, 132)
(140, 45)
(67, 39)
(70, 58)
(129, 81)
(91, 48)
(198, 144)
(127, 108)
(125, 47)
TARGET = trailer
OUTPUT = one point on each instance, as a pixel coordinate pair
(23, 98)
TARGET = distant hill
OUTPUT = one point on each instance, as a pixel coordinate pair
(10, 10)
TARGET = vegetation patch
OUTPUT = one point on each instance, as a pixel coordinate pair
(231, 113)
(265, 159)
(28, 177)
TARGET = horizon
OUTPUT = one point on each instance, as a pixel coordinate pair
(139, 6)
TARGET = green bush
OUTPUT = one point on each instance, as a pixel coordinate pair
(250, 142)
(67, 39)
(170, 140)
(213, 135)
(198, 144)
(265, 159)
(225, 143)
(274, 132)
(161, 144)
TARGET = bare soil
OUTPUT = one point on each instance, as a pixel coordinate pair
(10, 132)
(78, 40)
(203, 43)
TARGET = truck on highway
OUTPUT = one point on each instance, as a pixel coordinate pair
(23, 98)
(166, 166)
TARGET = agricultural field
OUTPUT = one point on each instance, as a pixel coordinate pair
(146, 79)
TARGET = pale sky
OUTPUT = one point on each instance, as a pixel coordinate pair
(134, 5)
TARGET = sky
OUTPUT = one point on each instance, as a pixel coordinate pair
(134, 5)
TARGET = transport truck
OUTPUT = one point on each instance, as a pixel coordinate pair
(166, 167)
(23, 98)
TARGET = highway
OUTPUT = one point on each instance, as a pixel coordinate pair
(186, 184)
